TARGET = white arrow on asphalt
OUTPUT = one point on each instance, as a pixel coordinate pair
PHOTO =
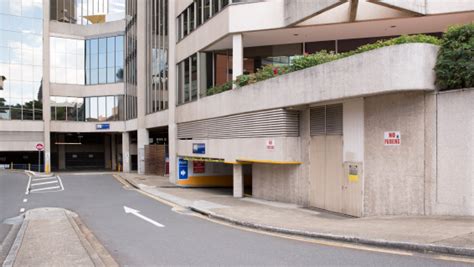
(137, 213)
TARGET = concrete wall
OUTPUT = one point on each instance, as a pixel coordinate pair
(276, 182)
(296, 11)
(432, 6)
(75, 90)
(86, 127)
(231, 150)
(20, 140)
(61, 29)
(379, 71)
(394, 175)
(452, 186)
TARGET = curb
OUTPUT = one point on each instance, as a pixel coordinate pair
(97, 252)
(334, 237)
(10, 259)
(38, 174)
(348, 239)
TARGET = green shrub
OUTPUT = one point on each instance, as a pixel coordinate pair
(264, 73)
(455, 65)
(219, 88)
(311, 60)
(404, 39)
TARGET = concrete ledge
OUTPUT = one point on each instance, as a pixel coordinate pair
(398, 68)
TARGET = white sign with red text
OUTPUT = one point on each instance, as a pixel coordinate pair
(392, 138)
(270, 144)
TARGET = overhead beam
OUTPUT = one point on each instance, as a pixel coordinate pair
(353, 13)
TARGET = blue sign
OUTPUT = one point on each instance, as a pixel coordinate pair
(103, 126)
(199, 148)
(183, 169)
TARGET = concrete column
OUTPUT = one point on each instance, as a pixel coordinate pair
(237, 56)
(114, 152)
(142, 141)
(61, 153)
(172, 132)
(238, 181)
(142, 81)
(45, 90)
(107, 149)
(126, 152)
(302, 183)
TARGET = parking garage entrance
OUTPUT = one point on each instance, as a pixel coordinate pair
(86, 151)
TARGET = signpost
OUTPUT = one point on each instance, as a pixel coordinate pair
(183, 169)
(393, 138)
(39, 147)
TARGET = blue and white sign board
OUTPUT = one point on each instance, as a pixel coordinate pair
(199, 148)
(183, 169)
(102, 126)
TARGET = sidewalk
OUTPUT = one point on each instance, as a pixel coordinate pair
(441, 234)
(56, 237)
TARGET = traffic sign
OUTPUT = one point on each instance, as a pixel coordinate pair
(39, 147)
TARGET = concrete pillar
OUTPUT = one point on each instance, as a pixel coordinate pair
(238, 181)
(142, 81)
(113, 152)
(126, 152)
(61, 153)
(142, 140)
(107, 150)
(302, 183)
(237, 56)
(172, 131)
(45, 90)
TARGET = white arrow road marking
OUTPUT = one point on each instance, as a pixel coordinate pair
(137, 213)
(42, 179)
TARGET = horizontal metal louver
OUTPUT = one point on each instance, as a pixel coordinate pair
(269, 123)
(326, 120)
(318, 121)
(334, 119)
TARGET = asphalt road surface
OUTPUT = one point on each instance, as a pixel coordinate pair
(185, 239)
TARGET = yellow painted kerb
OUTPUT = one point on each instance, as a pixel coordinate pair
(269, 161)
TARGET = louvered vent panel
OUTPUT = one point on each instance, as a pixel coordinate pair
(334, 119)
(326, 120)
(318, 121)
(270, 123)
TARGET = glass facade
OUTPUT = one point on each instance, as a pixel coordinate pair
(197, 14)
(131, 60)
(21, 56)
(104, 60)
(91, 109)
(86, 12)
(90, 62)
(67, 61)
(157, 54)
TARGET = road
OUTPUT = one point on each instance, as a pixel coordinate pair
(185, 239)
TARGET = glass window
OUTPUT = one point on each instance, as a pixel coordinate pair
(191, 18)
(93, 109)
(111, 108)
(194, 77)
(207, 9)
(198, 13)
(102, 115)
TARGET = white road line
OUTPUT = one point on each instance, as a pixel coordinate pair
(60, 183)
(28, 185)
(42, 179)
(52, 182)
(25, 200)
(46, 188)
(22, 210)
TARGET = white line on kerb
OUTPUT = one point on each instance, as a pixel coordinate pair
(46, 188)
(52, 182)
(42, 179)
(22, 210)
(25, 200)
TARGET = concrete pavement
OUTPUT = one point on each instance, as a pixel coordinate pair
(53, 237)
(446, 234)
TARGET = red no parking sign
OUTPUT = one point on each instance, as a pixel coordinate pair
(39, 147)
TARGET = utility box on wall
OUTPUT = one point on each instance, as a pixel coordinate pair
(352, 188)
